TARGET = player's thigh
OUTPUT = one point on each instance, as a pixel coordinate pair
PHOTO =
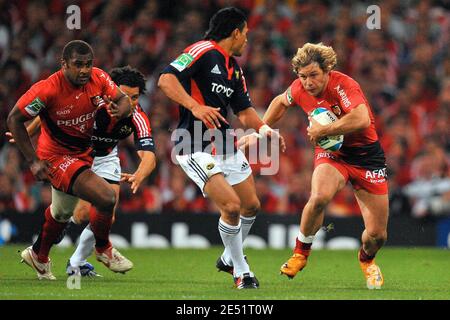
(326, 181)
(222, 194)
(94, 189)
(246, 192)
(375, 212)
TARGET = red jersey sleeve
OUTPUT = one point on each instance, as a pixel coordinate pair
(35, 99)
(293, 93)
(349, 94)
(108, 86)
(141, 123)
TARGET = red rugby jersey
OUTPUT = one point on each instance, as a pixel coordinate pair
(341, 95)
(67, 112)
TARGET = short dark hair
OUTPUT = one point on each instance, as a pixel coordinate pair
(78, 46)
(224, 22)
(128, 76)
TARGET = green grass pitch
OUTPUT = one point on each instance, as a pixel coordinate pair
(186, 274)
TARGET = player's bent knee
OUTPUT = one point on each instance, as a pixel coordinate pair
(62, 206)
(106, 202)
(60, 213)
(232, 209)
(319, 201)
(252, 209)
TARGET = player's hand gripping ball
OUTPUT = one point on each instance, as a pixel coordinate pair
(324, 117)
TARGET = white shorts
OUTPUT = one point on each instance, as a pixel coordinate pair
(201, 166)
(108, 167)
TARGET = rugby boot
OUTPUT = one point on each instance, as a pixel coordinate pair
(295, 264)
(114, 260)
(43, 270)
(372, 273)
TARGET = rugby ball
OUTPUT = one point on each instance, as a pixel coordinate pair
(324, 117)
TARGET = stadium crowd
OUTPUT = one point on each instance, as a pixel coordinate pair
(403, 68)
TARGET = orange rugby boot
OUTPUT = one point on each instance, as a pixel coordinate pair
(372, 272)
(295, 264)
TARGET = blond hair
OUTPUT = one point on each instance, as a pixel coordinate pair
(310, 53)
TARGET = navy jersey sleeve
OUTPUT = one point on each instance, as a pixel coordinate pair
(143, 133)
(187, 64)
(240, 100)
(183, 67)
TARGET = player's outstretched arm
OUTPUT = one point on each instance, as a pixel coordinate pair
(173, 89)
(276, 109)
(16, 124)
(250, 119)
(147, 165)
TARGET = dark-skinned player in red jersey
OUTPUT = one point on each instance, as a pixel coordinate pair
(107, 134)
(108, 131)
(66, 103)
(361, 159)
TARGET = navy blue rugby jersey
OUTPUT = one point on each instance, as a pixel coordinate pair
(108, 131)
(212, 78)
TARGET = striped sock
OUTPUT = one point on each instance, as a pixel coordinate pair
(246, 225)
(232, 240)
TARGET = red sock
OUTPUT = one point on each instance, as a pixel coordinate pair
(51, 230)
(364, 257)
(101, 226)
(302, 248)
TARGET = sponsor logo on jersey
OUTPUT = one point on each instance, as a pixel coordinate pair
(327, 155)
(336, 110)
(103, 139)
(220, 88)
(68, 161)
(77, 121)
(65, 111)
(125, 130)
(345, 101)
(182, 62)
(216, 70)
(35, 107)
(376, 176)
(97, 101)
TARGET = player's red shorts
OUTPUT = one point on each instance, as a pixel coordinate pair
(373, 181)
(66, 168)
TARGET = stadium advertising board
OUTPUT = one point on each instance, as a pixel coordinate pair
(200, 231)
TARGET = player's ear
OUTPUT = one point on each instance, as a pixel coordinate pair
(63, 63)
(236, 33)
